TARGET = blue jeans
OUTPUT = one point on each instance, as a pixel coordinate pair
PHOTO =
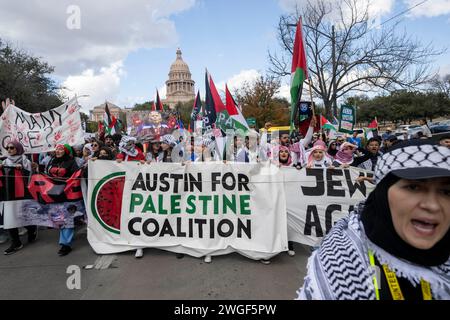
(66, 236)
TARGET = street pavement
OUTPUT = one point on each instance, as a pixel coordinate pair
(37, 272)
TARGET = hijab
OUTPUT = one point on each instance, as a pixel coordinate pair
(379, 228)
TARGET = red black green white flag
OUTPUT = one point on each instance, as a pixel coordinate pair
(109, 121)
(299, 71)
(231, 117)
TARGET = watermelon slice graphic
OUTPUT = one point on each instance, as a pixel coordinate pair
(106, 201)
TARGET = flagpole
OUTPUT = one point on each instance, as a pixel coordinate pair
(310, 97)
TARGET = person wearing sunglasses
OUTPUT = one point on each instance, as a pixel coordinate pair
(16, 160)
(332, 149)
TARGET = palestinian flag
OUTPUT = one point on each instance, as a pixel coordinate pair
(299, 71)
(231, 117)
(325, 124)
(109, 121)
(372, 130)
(213, 103)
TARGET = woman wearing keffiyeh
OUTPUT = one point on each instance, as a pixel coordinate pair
(401, 233)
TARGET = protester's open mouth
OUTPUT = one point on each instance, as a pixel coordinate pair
(423, 226)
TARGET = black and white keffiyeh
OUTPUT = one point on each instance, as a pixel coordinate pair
(340, 268)
(127, 146)
(413, 156)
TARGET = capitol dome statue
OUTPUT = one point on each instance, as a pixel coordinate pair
(180, 86)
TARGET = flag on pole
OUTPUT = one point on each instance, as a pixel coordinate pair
(335, 121)
(196, 113)
(231, 117)
(159, 104)
(372, 129)
(109, 121)
(373, 124)
(213, 103)
(153, 106)
(325, 124)
(299, 71)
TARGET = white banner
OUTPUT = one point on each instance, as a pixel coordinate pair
(317, 198)
(41, 132)
(198, 209)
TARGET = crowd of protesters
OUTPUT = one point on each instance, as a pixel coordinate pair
(283, 149)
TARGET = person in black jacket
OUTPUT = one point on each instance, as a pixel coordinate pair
(61, 167)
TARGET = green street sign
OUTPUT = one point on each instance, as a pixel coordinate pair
(251, 122)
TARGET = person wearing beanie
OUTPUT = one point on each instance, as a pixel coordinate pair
(16, 160)
(401, 230)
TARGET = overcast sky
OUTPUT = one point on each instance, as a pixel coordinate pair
(123, 49)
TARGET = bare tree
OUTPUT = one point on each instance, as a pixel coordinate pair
(345, 54)
(441, 84)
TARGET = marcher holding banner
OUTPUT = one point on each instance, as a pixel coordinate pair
(396, 244)
(16, 160)
(62, 166)
(41, 132)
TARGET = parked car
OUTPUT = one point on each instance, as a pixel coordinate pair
(406, 127)
(440, 128)
(412, 132)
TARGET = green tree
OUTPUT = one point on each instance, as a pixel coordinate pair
(143, 106)
(258, 101)
(25, 79)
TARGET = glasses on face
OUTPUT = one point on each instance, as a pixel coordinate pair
(95, 145)
(10, 148)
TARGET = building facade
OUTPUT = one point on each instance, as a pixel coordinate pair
(180, 86)
(98, 112)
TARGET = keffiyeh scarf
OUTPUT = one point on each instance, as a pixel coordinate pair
(340, 268)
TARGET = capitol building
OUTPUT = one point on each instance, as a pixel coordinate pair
(180, 86)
